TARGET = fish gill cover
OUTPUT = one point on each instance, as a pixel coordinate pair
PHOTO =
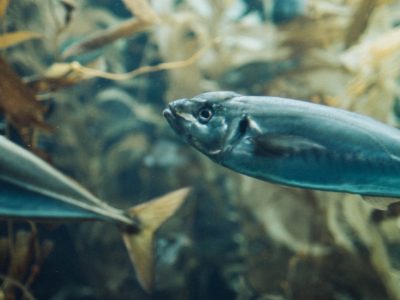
(83, 85)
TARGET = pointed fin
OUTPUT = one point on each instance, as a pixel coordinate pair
(381, 203)
(151, 215)
(272, 144)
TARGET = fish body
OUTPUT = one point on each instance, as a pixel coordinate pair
(292, 142)
(31, 189)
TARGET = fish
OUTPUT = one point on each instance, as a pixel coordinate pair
(293, 143)
(32, 189)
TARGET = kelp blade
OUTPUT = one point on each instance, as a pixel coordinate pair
(13, 38)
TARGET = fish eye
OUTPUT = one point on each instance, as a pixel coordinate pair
(205, 114)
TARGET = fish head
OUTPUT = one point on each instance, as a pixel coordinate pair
(204, 121)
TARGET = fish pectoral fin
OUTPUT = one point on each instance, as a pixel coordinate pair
(379, 202)
(272, 144)
(150, 216)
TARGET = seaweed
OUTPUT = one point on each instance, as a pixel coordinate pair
(99, 76)
(22, 257)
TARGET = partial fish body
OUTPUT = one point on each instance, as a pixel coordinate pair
(31, 189)
(292, 142)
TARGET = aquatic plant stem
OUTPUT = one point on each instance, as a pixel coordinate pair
(77, 67)
(19, 285)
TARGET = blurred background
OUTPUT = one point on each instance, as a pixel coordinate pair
(83, 85)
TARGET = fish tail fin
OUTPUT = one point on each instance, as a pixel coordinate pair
(150, 216)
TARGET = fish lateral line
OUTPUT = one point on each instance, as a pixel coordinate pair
(272, 144)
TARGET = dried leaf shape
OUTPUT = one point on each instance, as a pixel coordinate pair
(60, 75)
(302, 34)
(75, 67)
(22, 252)
(364, 57)
(142, 10)
(58, 70)
(104, 37)
(18, 102)
(360, 21)
(151, 216)
(3, 7)
(145, 16)
(13, 38)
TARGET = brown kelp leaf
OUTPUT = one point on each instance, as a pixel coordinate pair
(306, 33)
(3, 7)
(22, 255)
(145, 17)
(142, 10)
(4, 247)
(18, 102)
(360, 21)
(13, 38)
(105, 37)
(363, 58)
(7, 294)
(151, 215)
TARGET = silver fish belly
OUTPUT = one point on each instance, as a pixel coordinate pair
(32, 189)
(292, 142)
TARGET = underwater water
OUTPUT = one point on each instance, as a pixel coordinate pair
(83, 86)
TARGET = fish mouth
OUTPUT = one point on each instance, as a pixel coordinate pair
(173, 119)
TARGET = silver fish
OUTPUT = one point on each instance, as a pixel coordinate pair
(292, 142)
(31, 189)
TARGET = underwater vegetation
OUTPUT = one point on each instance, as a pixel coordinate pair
(83, 85)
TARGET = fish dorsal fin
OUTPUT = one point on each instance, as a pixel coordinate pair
(150, 215)
(379, 202)
(273, 144)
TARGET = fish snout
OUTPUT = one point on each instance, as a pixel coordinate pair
(172, 114)
(168, 114)
(175, 109)
(178, 106)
